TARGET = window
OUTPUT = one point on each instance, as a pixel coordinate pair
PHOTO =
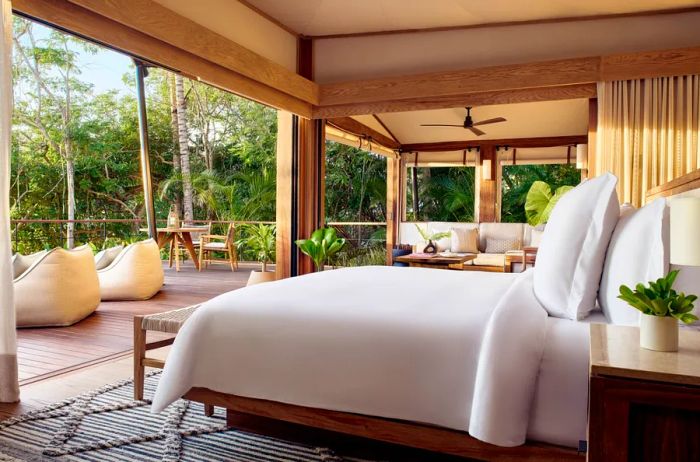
(440, 194)
(517, 179)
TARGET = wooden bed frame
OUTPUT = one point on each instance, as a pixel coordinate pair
(415, 435)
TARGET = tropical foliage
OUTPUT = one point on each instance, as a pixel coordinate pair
(323, 244)
(260, 240)
(659, 299)
(518, 179)
(540, 202)
(444, 194)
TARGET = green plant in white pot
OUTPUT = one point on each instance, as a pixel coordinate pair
(261, 240)
(662, 308)
(429, 239)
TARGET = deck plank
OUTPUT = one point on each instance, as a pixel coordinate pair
(44, 352)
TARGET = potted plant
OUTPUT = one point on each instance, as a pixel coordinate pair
(323, 244)
(430, 246)
(261, 240)
(662, 308)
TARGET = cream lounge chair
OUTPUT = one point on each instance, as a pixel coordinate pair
(59, 287)
(134, 273)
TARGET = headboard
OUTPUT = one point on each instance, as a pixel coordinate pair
(680, 185)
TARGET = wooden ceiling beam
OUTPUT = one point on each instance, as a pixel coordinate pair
(91, 26)
(164, 24)
(587, 90)
(542, 142)
(451, 83)
(505, 83)
(355, 127)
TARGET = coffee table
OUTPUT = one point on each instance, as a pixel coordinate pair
(436, 261)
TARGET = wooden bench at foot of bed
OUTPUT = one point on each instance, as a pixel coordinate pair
(404, 433)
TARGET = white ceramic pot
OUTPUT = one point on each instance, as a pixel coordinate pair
(256, 277)
(658, 333)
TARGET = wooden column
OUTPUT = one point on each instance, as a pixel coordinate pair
(592, 137)
(300, 189)
(486, 188)
(393, 202)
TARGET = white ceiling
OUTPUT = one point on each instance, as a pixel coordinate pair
(524, 120)
(324, 17)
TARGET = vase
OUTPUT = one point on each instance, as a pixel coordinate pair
(430, 248)
(658, 333)
(257, 277)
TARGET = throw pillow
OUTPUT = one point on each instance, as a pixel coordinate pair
(502, 245)
(572, 252)
(464, 240)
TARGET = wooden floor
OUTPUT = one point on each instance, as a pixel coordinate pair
(108, 333)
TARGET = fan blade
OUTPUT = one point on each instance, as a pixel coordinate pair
(441, 125)
(489, 121)
(476, 131)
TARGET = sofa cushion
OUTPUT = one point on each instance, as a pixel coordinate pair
(464, 240)
(494, 245)
(489, 259)
(446, 227)
(499, 231)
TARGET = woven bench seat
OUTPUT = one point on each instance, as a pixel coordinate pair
(169, 322)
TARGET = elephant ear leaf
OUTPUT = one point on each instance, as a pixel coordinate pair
(558, 194)
(536, 202)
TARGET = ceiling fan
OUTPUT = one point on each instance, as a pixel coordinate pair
(469, 124)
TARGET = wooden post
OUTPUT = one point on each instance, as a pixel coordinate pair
(592, 137)
(486, 188)
(286, 163)
(393, 195)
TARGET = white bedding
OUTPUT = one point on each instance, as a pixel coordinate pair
(401, 343)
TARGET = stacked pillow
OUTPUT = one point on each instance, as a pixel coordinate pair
(572, 252)
(638, 252)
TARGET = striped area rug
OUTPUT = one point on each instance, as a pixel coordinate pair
(108, 425)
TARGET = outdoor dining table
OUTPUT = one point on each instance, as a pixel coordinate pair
(180, 235)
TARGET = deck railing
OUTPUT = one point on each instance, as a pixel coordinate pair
(366, 239)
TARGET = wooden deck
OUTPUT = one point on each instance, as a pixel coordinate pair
(108, 333)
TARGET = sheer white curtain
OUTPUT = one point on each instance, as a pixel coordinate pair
(648, 132)
(9, 388)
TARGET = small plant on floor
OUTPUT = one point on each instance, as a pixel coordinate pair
(659, 299)
(261, 241)
(429, 238)
(322, 245)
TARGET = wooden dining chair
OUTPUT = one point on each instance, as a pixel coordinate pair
(178, 251)
(212, 243)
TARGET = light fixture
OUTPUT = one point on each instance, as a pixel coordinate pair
(685, 223)
(486, 173)
(581, 156)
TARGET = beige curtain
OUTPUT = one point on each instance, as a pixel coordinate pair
(9, 388)
(647, 132)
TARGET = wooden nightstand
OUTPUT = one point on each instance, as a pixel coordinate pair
(644, 405)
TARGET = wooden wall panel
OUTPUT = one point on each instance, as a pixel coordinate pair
(284, 206)
(592, 135)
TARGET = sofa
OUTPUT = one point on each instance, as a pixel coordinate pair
(508, 260)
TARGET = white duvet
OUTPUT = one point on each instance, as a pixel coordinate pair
(470, 351)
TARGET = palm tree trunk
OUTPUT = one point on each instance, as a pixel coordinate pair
(176, 137)
(70, 180)
(183, 140)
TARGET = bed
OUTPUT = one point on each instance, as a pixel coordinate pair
(330, 340)
(481, 365)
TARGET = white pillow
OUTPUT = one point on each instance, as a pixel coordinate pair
(572, 252)
(638, 252)
(535, 237)
(464, 240)
(105, 258)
